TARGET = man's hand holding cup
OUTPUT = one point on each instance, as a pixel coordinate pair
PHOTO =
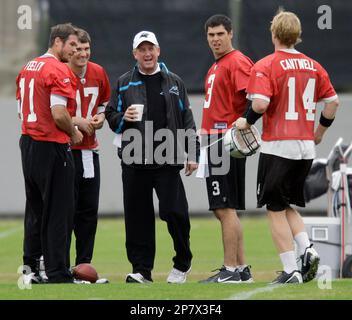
(134, 113)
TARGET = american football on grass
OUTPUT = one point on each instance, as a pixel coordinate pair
(85, 271)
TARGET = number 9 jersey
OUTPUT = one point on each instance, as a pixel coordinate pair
(293, 84)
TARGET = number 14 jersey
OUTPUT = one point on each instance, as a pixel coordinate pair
(293, 83)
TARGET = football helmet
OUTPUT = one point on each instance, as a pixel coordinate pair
(242, 143)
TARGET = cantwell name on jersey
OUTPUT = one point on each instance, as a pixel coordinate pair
(305, 64)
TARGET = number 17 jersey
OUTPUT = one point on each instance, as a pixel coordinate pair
(293, 84)
(93, 93)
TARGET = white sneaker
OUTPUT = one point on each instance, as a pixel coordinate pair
(102, 281)
(177, 276)
(78, 281)
(42, 273)
(29, 279)
(136, 278)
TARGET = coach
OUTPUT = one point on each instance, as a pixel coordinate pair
(165, 105)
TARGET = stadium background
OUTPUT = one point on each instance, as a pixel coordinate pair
(179, 28)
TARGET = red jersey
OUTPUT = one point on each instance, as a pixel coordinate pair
(93, 90)
(294, 83)
(37, 80)
(225, 97)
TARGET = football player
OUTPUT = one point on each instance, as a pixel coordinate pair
(44, 87)
(225, 101)
(92, 95)
(285, 88)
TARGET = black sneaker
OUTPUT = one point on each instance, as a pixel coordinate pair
(245, 274)
(137, 278)
(224, 276)
(293, 277)
(310, 263)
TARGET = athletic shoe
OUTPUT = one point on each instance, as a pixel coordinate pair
(245, 274)
(293, 277)
(41, 269)
(177, 276)
(136, 278)
(33, 278)
(102, 281)
(310, 263)
(78, 281)
(224, 276)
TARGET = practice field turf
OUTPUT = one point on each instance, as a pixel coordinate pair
(111, 262)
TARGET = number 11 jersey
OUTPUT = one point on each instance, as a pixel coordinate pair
(37, 81)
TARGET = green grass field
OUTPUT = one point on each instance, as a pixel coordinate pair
(111, 262)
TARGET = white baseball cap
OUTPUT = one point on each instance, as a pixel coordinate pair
(144, 36)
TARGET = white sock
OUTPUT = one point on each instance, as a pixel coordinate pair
(241, 267)
(288, 260)
(302, 241)
(232, 269)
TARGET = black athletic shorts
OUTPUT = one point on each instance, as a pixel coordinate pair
(226, 181)
(280, 182)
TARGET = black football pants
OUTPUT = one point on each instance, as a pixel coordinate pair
(48, 170)
(138, 185)
(87, 203)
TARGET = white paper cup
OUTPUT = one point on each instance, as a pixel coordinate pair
(139, 109)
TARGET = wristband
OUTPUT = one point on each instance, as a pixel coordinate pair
(252, 116)
(248, 105)
(101, 109)
(325, 122)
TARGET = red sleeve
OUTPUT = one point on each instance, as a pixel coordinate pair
(71, 107)
(325, 88)
(242, 73)
(18, 89)
(260, 81)
(62, 82)
(105, 96)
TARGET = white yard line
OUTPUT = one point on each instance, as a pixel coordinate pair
(249, 294)
(5, 234)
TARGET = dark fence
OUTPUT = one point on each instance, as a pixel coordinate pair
(178, 25)
(112, 25)
(331, 47)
